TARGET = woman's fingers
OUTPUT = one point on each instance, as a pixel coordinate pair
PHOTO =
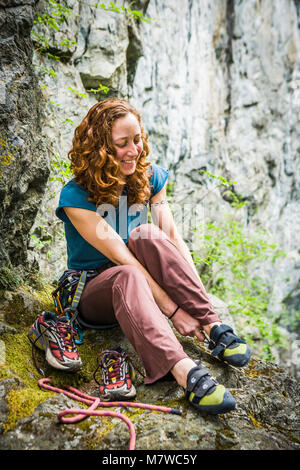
(199, 334)
(187, 325)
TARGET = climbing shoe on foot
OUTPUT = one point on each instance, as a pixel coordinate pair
(206, 394)
(55, 336)
(225, 345)
(117, 375)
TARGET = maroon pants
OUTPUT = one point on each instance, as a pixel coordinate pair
(123, 294)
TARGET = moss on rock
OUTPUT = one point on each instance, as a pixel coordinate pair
(21, 306)
(22, 403)
(9, 279)
(4, 372)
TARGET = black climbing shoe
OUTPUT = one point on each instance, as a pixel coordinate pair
(225, 345)
(206, 394)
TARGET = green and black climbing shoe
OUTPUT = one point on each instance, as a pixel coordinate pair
(206, 394)
(225, 345)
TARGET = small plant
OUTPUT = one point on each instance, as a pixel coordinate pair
(229, 195)
(83, 95)
(39, 244)
(170, 188)
(67, 120)
(227, 263)
(9, 279)
(41, 237)
(100, 88)
(44, 71)
(56, 16)
(137, 15)
(60, 168)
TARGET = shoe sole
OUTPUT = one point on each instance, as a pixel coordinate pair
(119, 396)
(51, 360)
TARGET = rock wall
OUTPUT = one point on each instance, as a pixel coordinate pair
(24, 161)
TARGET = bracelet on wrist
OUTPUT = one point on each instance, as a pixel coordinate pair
(173, 313)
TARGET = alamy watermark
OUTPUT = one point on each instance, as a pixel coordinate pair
(124, 219)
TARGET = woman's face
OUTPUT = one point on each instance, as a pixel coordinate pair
(127, 141)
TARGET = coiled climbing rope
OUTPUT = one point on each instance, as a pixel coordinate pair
(94, 402)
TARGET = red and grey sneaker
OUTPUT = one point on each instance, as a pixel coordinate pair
(55, 336)
(117, 375)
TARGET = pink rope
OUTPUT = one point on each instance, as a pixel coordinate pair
(94, 402)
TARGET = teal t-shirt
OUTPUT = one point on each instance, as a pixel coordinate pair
(82, 255)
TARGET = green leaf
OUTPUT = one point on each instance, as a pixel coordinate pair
(83, 95)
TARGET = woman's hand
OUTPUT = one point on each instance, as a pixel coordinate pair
(186, 325)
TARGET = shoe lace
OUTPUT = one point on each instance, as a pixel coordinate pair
(111, 363)
(66, 333)
(38, 368)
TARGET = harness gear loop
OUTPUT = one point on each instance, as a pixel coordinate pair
(67, 297)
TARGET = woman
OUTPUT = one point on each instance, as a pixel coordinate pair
(145, 273)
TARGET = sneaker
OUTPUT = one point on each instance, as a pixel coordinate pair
(55, 336)
(228, 347)
(117, 374)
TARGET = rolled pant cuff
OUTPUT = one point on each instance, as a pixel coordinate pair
(213, 318)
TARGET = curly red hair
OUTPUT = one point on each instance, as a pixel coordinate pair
(93, 161)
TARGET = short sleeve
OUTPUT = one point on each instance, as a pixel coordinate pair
(73, 195)
(158, 179)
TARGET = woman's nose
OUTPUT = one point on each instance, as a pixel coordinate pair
(133, 150)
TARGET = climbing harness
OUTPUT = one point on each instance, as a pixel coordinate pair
(94, 403)
(67, 295)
